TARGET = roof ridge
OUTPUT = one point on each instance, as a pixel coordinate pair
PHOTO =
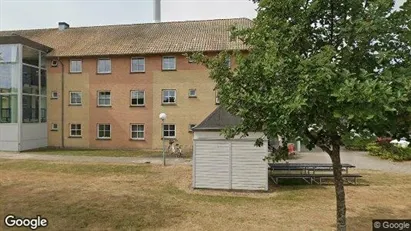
(132, 24)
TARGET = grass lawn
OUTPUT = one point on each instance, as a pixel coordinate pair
(145, 197)
(97, 152)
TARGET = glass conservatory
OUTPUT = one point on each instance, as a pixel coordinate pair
(23, 94)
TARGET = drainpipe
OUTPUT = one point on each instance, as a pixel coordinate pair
(62, 101)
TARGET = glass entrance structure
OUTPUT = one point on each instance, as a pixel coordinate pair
(23, 94)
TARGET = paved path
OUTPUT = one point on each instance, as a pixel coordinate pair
(92, 159)
(360, 159)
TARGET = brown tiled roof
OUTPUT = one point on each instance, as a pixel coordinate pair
(148, 38)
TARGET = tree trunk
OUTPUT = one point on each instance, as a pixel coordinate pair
(339, 187)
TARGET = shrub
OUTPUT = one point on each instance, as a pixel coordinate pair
(356, 142)
(389, 151)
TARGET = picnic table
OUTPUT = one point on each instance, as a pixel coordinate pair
(308, 172)
(307, 167)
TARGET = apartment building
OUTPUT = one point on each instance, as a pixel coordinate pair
(104, 86)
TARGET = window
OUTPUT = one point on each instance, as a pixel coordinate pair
(138, 64)
(137, 131)
(137, 98)
(169, 63)
(228, 61)
(103, 131)
(217, 99)
(75, 130)
(169, 131)
(75, 98)
(191, 126)
(104, 66)
(54, 127)
(192, 93)
(104, 98)
(169, 96)
(76, 66)
(54, 95)
(31, 109)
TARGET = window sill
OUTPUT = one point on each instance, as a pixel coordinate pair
(108, 73)
(137, 72)
(169, 69)
(137, 105)
(75, 104)
(192, 96)
(137, 139)
(54, 98)
(168, 104)
(54, 130)
(103, 138)
(109, 106)
(75, 137)
(169, 138)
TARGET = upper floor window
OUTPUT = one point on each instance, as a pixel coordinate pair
(217, 99)
(138, 64)
(228, 61)
(169, 96)
(104, 98)
(137, 98)
(104, 66)
(169, 63)
(75, 98)
(76, 66)
(192, 93)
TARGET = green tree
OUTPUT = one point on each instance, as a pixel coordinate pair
(316, 69)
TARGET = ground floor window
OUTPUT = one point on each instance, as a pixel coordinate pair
(8, 108)
(103, 131)
(169, 130)
(137, 131)
(75, 130)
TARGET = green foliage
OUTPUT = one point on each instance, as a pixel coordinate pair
(389, 151)
(354, 141)
(338, 64)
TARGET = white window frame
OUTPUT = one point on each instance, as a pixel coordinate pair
(137, 131)
(163, 67)
(76, 129)
(98, 99)
(144, 65)
(98, 63)
(71, 66)
(54, 95)
(191, 95)
(169, 137)
(54, 127)
(81, 97)
(162, 96)
(98, 132)
(131, 98)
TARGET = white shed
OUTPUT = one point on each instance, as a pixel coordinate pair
(220, 163)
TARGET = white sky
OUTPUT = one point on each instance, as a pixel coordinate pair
(29, 14)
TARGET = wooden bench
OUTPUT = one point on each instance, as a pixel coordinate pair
(315, 178)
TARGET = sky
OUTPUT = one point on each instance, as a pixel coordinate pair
(31, 14)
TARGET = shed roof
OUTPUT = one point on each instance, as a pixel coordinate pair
(133, 39)
(218, 120)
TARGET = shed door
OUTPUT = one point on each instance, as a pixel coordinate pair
(249, 170)
(212, 164)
